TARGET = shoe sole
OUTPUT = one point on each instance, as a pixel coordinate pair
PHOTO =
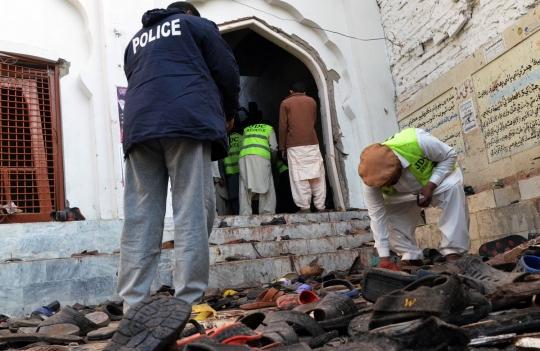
(153, 324)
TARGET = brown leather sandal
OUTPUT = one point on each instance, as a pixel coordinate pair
(267, 298)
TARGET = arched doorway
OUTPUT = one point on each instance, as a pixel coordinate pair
(269, 61)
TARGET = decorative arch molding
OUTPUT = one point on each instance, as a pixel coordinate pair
(346, 84)
(331, 131)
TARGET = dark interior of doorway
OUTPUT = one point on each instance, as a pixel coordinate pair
(267, 71)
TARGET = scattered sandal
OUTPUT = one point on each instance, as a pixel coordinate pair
(267, 298)
(68, 315)
(288, 302)
(434, 295)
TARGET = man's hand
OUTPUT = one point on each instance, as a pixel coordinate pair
(284, 155)
(221, 182)
(387, 264)
(229, 125)
(427, 192)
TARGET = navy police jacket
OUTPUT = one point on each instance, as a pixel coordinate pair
(183, 81)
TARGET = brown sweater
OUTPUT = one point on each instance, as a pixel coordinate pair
(297, 116)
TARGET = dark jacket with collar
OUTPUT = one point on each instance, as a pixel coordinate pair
(183, 81)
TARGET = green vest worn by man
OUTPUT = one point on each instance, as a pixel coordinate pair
(406, 144)
(281, 167)
(231, 161)
(257, 141)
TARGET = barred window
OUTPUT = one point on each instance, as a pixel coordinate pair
(31, 174)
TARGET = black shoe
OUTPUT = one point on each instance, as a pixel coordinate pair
(153, 324)
(223, 224)
(275, 221)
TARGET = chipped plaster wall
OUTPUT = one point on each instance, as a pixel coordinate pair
(447, 56)
(431, 37)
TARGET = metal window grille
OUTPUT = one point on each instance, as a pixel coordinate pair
(31, 174)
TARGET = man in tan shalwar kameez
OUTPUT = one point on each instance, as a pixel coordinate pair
(299, 145)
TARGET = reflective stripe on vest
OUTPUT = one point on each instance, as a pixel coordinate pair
(281, 166)
(257, 141)
(406, 144)
(231, 162)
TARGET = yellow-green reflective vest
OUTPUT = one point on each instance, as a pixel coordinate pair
(406, 144)
(281, 166)
(257, 141)
(231, 162)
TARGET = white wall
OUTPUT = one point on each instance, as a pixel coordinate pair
(92, 35)
(51, 30)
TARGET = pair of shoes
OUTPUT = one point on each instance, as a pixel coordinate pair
(307, 210)
(275, 221)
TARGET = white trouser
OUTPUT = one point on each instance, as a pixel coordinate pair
(302, 190)
(403, 217)
(267, 200)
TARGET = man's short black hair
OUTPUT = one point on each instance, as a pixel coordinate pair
(184, 6)
(298, 87)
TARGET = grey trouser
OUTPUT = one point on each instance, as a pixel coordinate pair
(149, 166)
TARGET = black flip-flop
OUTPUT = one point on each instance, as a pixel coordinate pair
(502, 245)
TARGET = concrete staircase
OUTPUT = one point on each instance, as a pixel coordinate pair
(48, 273)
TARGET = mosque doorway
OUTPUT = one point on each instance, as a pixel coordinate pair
(267, 70)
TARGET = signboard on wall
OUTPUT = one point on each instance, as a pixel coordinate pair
(440, 118)
(508, 97)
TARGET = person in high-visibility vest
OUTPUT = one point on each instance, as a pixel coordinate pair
(259, 147)
(232, 169)
(404, 174)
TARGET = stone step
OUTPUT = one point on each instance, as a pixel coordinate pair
(266, 249)
(270, 233)
(268, 269)
(255, 220)
(61, 239)
(90, 280)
